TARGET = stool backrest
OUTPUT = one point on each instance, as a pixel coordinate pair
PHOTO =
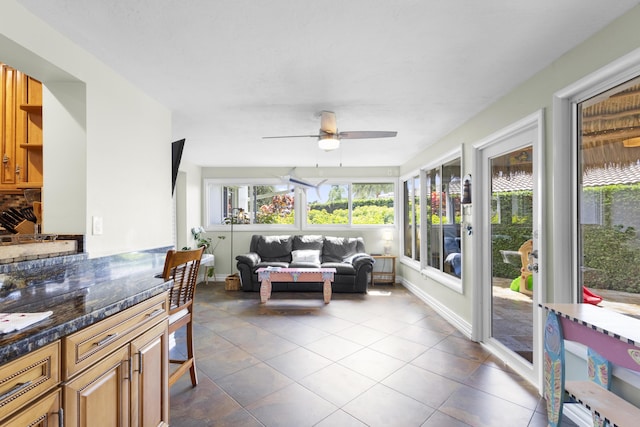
(182, 267)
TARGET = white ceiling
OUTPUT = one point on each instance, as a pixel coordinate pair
(233, 71)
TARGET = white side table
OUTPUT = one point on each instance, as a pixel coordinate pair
(208, 261)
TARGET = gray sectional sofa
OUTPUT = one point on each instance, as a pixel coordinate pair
(346, 254)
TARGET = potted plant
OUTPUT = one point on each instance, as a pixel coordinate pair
(207, 243)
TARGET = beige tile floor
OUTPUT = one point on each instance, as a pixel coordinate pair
(381, 359)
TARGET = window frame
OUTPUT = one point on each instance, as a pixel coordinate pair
(300, 204)
(410, 260)
(349, 182)
(438, 275)
(564, 151)
(221, 226)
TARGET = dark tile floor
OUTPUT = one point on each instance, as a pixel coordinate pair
(381, 359)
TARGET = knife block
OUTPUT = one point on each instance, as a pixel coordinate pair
(26, 227)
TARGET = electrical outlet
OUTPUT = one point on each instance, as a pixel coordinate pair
(97, 225)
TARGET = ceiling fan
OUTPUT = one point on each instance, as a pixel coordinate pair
(329, 137)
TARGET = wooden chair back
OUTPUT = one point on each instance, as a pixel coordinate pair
(183, 267)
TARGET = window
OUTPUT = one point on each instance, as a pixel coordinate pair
(273, 204)
(444, 216)
(373, 203)
(411, 189)
(609, 196)
(370, 203)
(329, 206)
(250, 204)
(438, 192)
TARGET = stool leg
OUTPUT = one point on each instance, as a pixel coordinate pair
(191, 354)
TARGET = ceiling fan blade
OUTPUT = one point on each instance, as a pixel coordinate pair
(328, 122)
(291, 136)
(366, 134)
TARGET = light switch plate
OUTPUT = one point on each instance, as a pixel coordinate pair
(97, 225)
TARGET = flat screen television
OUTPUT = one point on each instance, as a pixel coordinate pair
(176, 156)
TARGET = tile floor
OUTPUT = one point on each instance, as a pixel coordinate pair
(382, 359)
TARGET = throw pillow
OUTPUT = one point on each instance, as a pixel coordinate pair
(306, 255)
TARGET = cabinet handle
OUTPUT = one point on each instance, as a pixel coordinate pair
(60, 417)
(140, 362)
(155, 313)
(105, 340)
(130, 362)
(15, 389)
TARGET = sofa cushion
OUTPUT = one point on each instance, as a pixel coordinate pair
(304, 264)
(342, 268)
(337, 249)
(275, 248)
(265, 264)
(308, 242)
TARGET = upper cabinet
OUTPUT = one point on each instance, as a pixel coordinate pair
(20, 130)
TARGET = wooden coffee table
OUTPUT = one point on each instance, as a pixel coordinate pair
(270, 274)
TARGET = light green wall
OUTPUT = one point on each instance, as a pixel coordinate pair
(106, 143)
(617, 39)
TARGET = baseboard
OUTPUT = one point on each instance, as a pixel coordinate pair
(450, 316)
(578, 414)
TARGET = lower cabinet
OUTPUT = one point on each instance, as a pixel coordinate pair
(29, 392)
(45, 412)
(128, 388)
(113, 373)
(123, 379)
(150, 379)
(100, 395)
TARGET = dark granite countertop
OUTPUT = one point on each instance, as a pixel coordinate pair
(79, 291)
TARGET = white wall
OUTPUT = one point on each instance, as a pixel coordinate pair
(64, 125)
(189, 193)
(107, 144)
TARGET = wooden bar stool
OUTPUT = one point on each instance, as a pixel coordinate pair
(182, 267)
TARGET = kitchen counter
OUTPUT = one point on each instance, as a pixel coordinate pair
(79, 291)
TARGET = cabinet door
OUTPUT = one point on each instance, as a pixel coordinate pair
(43, 413)
(100, 395)
(150, 384)
(8, 123)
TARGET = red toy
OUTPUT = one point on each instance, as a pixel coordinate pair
(589, 297)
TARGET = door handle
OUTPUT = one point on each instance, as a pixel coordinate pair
(533, 265)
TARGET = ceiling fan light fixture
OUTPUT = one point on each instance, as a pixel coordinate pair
(328, 142)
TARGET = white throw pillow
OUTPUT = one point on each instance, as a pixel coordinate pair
(307, 255)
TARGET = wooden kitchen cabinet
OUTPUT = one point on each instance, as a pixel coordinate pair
(150, 379)
(31, 143)
(100, 393)
(118, 369)
(24, 381)
(20, 131)
(112, 373)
